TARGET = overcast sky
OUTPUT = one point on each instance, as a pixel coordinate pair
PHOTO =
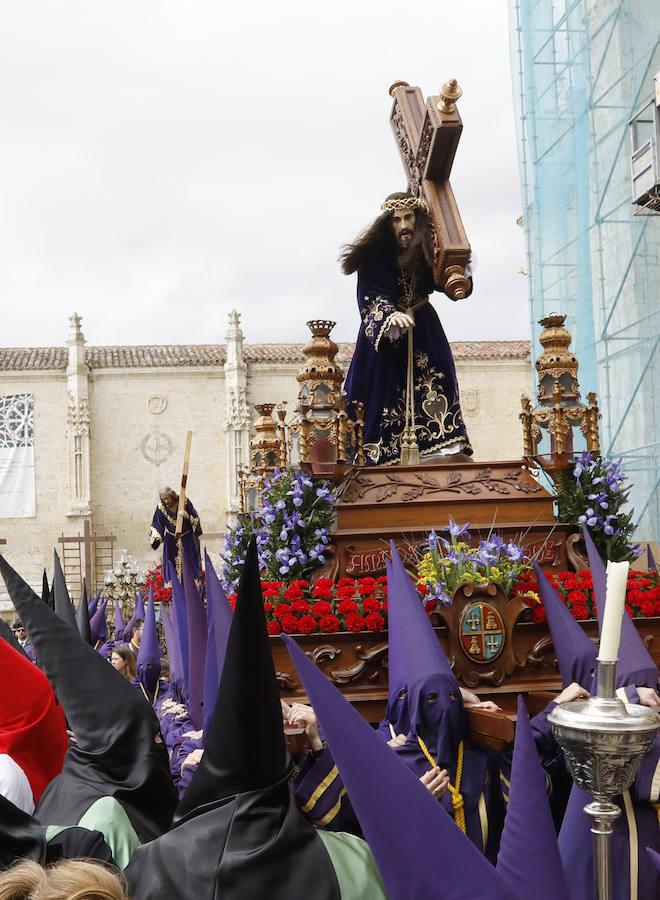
(163, 162)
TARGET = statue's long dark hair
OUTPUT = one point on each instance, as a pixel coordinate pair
(378, 242)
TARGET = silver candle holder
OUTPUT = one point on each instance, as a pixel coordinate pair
(604, 741)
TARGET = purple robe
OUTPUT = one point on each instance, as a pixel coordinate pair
(378, 371)
(319, 792)
(163, 530)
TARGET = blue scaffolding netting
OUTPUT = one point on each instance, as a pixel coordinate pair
(581, 70)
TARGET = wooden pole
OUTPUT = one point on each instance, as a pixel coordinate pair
(182, 492)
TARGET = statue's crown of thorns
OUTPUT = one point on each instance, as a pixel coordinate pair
(402, 203)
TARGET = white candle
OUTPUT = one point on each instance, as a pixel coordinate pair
(610, 634)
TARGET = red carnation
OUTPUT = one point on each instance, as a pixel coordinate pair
(271, 592)
(539, 615)
(647, 608)
(289, 623)
(268, 607)
(586, 578)
(580, 613)
(374, 622)
(371, 604)
(577, 598)
(430, 605)
(300, 606)
(571, 583)
(366, 585)
(274, 627)
(629, 611)
(323, 583)
(355, 623)
(329, 624)
(282, 609)
(345, 592)
(293, 592)
(322, 608)
(307, 624)
(323, 593)
(346, 607)
(301, 583)
(382, 579)
(231, 599)
(345, 582)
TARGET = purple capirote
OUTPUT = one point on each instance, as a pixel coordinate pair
(403, 824)
(529, 857)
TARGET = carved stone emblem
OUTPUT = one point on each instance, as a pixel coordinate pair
(470, 401)
(156, 447)
(482, 632)
(157, 404)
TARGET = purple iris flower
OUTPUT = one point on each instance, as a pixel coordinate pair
(582, 462)
(514, 552)
(457, 531)
(588, 518)
(437, 592)
(485, 558)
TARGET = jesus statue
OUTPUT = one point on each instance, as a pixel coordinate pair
(402, 369)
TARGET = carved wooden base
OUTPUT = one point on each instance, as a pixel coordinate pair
(404, 503)
(357, 664)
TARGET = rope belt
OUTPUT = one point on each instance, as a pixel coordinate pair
(455, 790)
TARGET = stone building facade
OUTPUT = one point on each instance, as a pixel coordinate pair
(110, 427)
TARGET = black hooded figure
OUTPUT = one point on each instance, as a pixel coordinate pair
(237, 833)
(116, 771)
(61, 599)
(23, 837)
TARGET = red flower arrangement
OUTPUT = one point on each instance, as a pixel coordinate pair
(350, 605)
(162, 592)
(576, 590)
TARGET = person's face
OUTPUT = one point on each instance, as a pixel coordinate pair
(170, 499)
(20, 633)
(138, 631)
(403, 225)
(117, 662)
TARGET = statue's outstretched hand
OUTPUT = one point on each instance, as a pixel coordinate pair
(402, 320)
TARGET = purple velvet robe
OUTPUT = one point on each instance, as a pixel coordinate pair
(163, 529)
(377, 375)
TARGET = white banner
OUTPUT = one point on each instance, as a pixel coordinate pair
(17, 483)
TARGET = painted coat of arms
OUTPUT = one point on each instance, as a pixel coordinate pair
(481, 630)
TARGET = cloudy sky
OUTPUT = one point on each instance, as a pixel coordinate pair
(163, 162)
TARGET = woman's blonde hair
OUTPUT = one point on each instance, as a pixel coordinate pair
(70, 879)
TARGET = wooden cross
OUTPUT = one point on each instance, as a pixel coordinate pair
(182, 492)
(427, 135)
(87, 541)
